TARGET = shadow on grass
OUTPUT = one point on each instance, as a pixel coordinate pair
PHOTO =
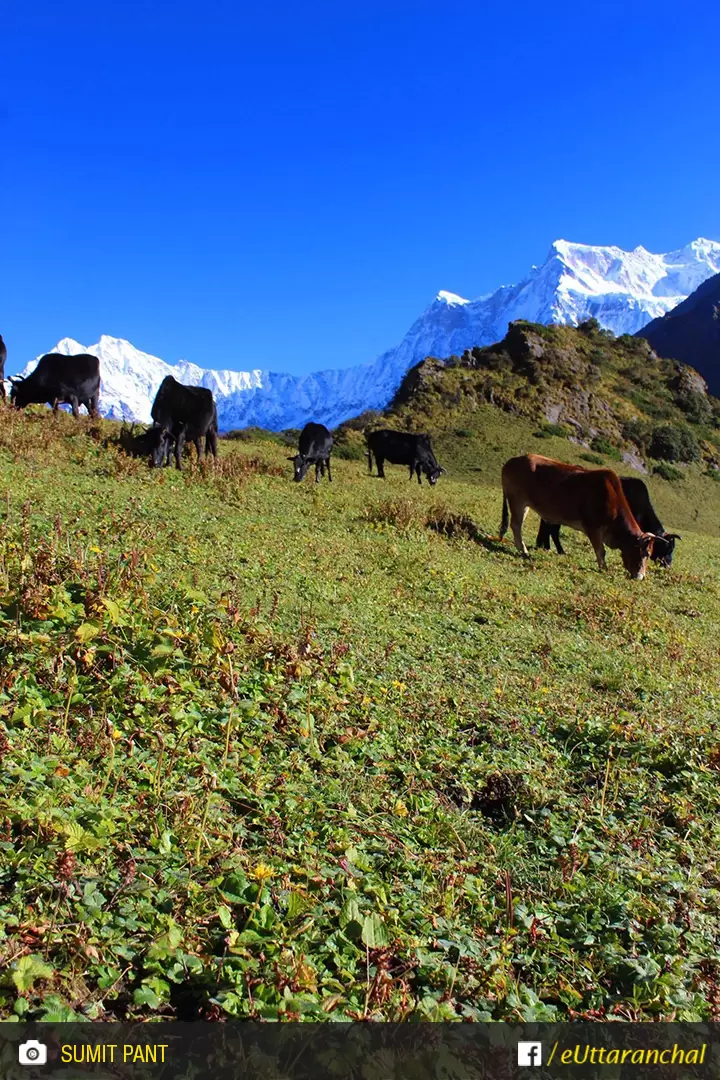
(458, 526)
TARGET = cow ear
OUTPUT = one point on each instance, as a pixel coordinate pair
(291, 459)
(647, 540)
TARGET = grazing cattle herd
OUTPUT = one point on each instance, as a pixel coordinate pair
(612, 511)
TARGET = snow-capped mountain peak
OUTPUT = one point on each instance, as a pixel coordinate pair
(445, 297)
(623, 290)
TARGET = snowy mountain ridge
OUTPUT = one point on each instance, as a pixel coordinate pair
(623, 290)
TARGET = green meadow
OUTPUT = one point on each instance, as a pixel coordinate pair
(334, 752)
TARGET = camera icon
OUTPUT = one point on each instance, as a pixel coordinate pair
(32, 1052)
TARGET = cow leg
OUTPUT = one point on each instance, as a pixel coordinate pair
(418, 470)
(328, 469)
(179, 444)
(56, 402)
(596, 539)
(75, 407)
(198, 447)
(546, 533)
(211, 443)
(318, 471)
(380, 461)
(517, 516)
(543, 536)
(370, 462)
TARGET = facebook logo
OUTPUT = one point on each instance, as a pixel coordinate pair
(529, 1053)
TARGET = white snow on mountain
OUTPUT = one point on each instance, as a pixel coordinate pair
(623, 290)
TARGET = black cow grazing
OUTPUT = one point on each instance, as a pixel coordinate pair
(184, 413)
(638, 497)
(314, 448)
(144, 444)
(3, 358)
(402, 448)
(58, 379)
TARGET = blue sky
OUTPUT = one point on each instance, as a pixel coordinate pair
(290, 187)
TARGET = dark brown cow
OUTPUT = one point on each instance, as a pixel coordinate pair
(591, 500)
(638, 497)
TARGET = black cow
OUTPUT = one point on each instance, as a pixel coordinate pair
(402, 448)
(145, 444)
(3, 358)
(184, 413)
(638, 498)
(314, 448)
(57, 379)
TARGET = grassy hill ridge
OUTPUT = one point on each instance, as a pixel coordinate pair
(597, 385)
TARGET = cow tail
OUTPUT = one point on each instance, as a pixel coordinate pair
(505, 516)
(369, 460)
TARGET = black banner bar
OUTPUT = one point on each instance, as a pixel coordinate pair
(236, 1051)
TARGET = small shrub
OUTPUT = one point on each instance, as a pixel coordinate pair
(399, 512)
(602, 445)
(546, 431)
(589, 327)
(673, 443)
(636, 431)
(448, 522)
(667, 472)
(349, 451)
(696, 406)
(594, 459)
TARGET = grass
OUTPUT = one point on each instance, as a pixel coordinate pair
(335, 752)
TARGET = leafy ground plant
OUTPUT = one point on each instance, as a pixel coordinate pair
(295, 752)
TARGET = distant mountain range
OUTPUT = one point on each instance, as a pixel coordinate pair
(691, 332)
(623, 290)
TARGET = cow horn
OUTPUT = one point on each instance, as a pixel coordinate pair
(15, 378)
(672, 536)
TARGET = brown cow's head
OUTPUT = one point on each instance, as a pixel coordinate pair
(635, 554)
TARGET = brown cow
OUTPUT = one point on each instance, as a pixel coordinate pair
(591, 500)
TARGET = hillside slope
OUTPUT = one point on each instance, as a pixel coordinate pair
(691, 332)
(332, 752)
